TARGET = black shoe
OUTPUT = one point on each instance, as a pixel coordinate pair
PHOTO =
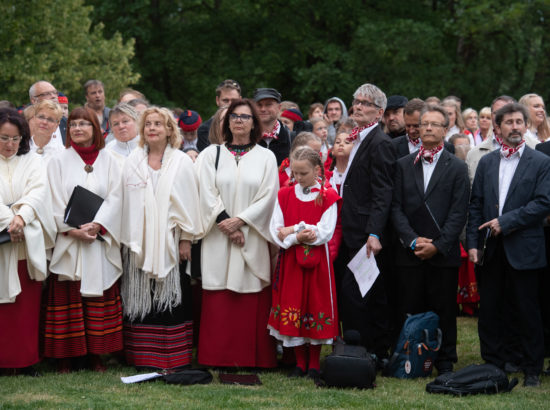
(531, 380)
(444, 367)
(297, 372)
(314, 374)
(29, 371)
(510, 367)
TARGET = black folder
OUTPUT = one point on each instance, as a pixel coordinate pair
(424, 223)
(82, 207)
(5, 236)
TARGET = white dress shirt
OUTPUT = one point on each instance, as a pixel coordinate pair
(428, 169)
(506, 171)
(356, 145)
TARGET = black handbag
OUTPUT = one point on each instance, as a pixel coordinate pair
(349, 366)
(5, 236)
(188, 377)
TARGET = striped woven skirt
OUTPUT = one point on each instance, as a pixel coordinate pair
(162, 340)
(76, 325)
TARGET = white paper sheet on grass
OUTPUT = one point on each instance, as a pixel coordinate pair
(364, 269)
(140, 377)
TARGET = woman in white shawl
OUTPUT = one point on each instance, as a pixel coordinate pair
(47, 115)
(160, 219)
(238, 185)
(123, 120)
(26, 230)
(84, 308)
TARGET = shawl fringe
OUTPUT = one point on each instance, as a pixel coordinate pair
(142, 293)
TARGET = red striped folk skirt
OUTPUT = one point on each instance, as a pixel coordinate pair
(158, 346)
(77, 325)
(19, 324)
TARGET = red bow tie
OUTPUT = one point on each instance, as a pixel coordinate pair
(427, 154)
(274, 133)
(354, 134)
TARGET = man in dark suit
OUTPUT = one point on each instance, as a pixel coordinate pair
(430, 202)
(411, 142)
(510, 197)
(367, 193)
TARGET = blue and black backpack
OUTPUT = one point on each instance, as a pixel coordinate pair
(417, 347)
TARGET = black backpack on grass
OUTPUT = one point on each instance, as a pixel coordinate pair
(473, 379)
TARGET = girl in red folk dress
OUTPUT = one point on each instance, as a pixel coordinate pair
(304, 310)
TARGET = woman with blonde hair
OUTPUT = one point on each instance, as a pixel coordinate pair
(537, 123)
(485, 123)
(46, 118)
(160, 219)
(470, 117)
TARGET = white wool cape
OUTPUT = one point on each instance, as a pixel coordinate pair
(155, 220)
(246, 190)
(97, 265)
(24, 186)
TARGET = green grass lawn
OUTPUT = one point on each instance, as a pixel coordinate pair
(86, 389)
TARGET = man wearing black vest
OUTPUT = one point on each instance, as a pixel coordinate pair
(430, 202)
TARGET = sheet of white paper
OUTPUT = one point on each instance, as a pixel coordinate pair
(140, 377)
(364, 269)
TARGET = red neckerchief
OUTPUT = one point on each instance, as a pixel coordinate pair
(428, 154)
(354, 134)
(274, 133)
(88, 154)
(413, 142)
(507, 151)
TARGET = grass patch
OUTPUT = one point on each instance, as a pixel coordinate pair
(86, 389)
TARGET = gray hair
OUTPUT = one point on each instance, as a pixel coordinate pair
(374, 93)
(436, 108)
(124, 108)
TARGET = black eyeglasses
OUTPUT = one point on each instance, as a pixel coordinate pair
(364, 103)
(242, 117)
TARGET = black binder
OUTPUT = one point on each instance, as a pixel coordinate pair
(424, 223)
(5, 236)
(82, 207)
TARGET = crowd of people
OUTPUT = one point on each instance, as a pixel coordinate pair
(234, 235)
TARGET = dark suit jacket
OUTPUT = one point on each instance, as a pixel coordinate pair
(401, 145)
(281, 146)
(202, 134)
(544, 147)
(447, 197)
(527, 204)
(63, 128)
(367, 190)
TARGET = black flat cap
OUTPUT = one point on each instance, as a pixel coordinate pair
(263, 93)
(396, 101)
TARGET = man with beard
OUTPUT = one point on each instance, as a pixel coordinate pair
(510, 198)
(393, 116)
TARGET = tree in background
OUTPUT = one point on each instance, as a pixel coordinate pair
(53, 40)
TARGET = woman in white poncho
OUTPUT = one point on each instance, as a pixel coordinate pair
(160, 220)
(238, 189)
(84, 307)
(26, 222)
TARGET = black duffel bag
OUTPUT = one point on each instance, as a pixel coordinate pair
(349, 366)
(473, 379)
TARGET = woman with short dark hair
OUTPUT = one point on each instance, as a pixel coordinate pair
(238, 187)
(27, 229)
(84, 309)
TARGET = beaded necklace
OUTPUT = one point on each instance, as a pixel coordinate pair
(239, 150)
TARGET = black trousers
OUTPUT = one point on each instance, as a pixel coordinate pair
(426, 288)
(501, 285)
(368, 315)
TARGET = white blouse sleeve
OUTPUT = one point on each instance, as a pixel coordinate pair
(325, 227)
(277, 221)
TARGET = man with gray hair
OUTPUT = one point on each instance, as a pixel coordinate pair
(43, 90)
(367, 194)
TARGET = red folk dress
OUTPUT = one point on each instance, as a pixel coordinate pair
(304, 308)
